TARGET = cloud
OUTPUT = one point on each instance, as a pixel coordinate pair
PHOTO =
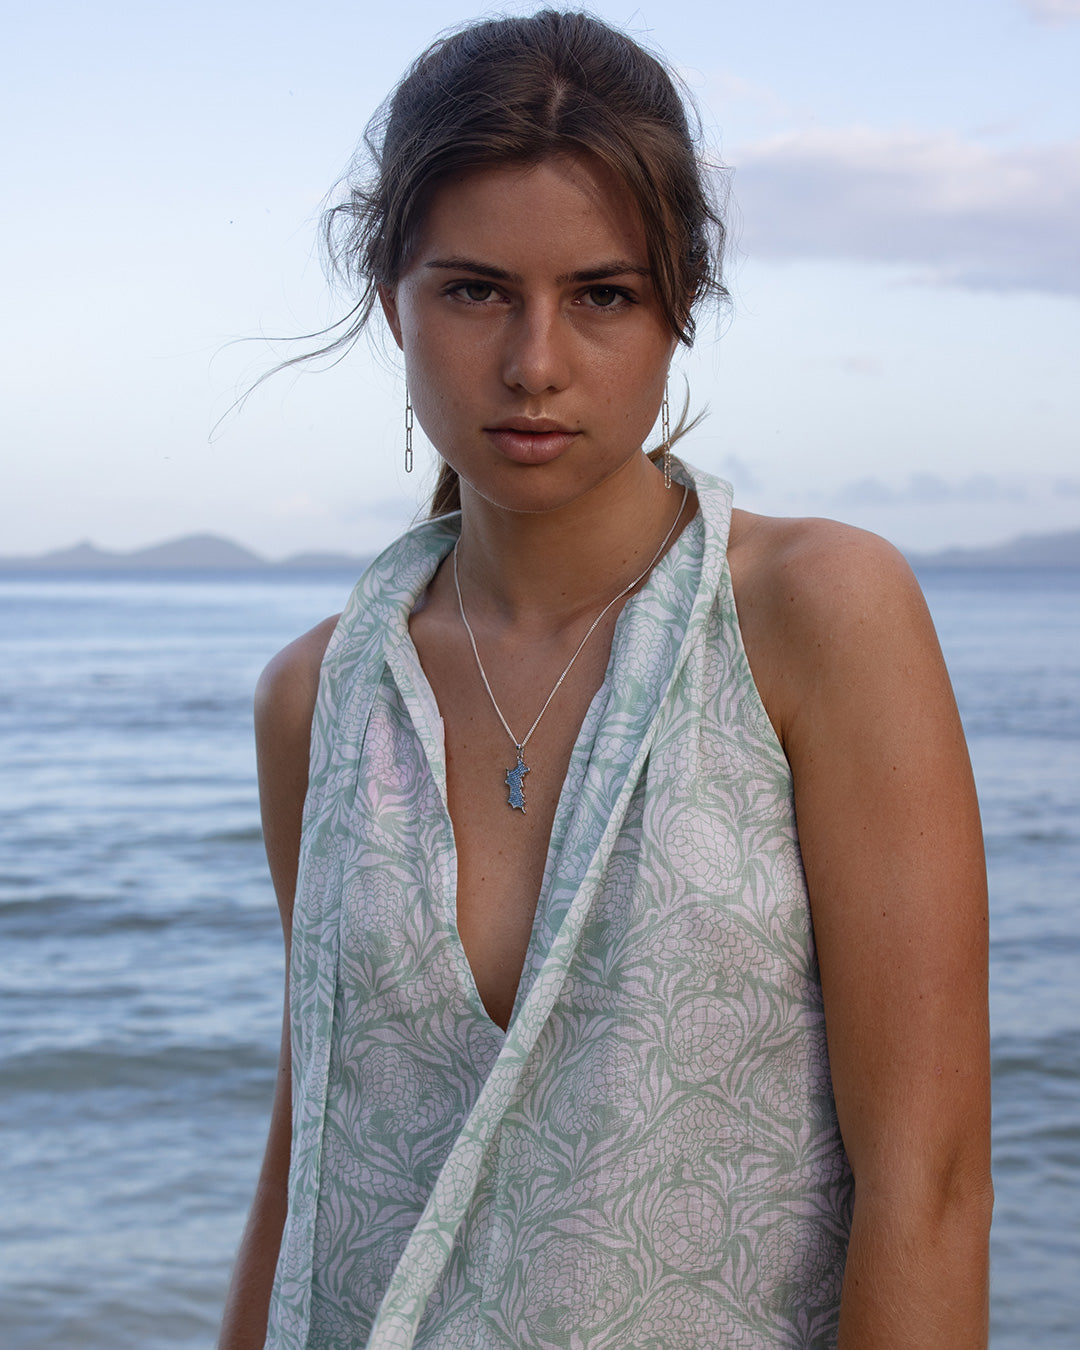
(927, 489)
(958, 212)
(732, 89)
(1052, 11)
(861, 364)
(741, 474)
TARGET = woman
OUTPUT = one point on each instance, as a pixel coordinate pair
(558, 1052)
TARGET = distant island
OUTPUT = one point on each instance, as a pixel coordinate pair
(211, 553)
(192, 553)
(1029, 550)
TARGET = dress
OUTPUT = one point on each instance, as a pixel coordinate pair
(649, 1157)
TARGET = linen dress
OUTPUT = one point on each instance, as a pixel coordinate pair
(649, 1157)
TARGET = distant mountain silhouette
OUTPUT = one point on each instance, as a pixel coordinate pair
(211, 553)
(192, 553)
(1030, 550)
(322, 562)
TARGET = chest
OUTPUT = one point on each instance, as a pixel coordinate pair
(502, 848)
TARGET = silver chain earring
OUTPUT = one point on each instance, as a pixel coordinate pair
(665, 432)
(408, 432)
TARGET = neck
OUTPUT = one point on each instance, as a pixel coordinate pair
(549, 567)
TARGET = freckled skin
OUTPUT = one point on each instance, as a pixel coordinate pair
(499, 314)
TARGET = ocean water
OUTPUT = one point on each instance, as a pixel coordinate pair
(140, 985)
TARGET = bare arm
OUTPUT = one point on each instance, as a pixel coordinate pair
(889, 830)
(284, 704)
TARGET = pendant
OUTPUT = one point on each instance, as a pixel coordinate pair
(514, 781)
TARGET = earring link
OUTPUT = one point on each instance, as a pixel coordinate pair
(665, 432)
(408, 433)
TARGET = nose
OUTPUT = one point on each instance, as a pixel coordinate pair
(536, 358)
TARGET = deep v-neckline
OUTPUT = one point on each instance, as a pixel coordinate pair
(423, 708)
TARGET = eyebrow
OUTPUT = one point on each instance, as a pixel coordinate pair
(618, 267)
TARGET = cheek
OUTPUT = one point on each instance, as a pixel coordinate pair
(639, 383)
(442, 384)
(433, 351)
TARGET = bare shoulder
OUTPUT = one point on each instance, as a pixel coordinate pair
(816, 569)
(822, 606)
(287, 688)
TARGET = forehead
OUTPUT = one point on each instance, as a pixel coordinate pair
(565, 208)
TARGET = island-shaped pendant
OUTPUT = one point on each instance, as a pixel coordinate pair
(514, 781)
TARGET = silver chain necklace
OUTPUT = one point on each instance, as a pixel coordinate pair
(515, 776)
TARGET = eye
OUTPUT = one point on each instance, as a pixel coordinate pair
(475, 292)
(604, 296)
(608, 297)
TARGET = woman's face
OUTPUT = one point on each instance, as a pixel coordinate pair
(535, 347)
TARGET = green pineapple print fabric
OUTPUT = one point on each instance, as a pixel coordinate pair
(649, 1157)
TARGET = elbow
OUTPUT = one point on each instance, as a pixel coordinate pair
(943, 1212)
(965, 1214)
(976, 1203)
(963, 1190)
(935, 1190)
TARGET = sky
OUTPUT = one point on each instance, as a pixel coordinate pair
(901, 351)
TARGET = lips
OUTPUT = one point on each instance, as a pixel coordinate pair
(531, 440)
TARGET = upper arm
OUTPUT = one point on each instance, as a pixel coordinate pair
(892, 847)
(284, 706)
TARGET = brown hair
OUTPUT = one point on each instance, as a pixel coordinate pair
(517, 90)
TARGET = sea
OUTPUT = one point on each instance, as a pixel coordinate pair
(141, 970)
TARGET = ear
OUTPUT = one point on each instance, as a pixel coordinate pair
(388, 300)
